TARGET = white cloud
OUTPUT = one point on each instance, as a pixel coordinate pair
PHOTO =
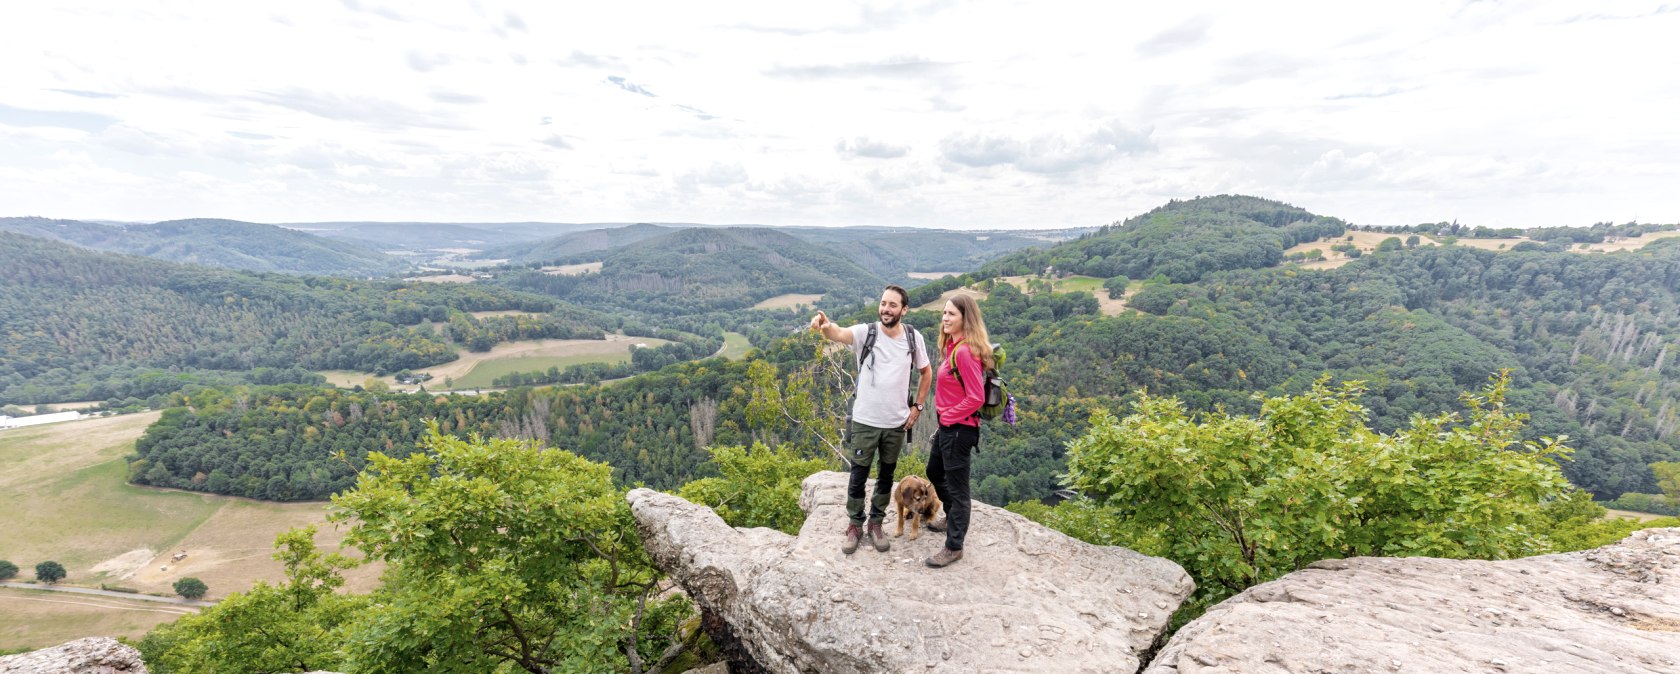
(986, 113)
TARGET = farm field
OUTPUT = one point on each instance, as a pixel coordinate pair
(735, 345)
(445, 278)
(572, 269)
(39, 618)
(509, 312)
(475, 370)
(1630, 515)
(70, 502)
(533, 356)
(788, 301)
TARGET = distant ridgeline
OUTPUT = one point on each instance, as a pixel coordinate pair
(217, 243)
(83, 325)
(697, 270)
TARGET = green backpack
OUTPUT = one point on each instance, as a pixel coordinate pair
(996, 399)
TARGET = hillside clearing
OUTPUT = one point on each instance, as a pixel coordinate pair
(788, 301)
(571, 352)
(1367, 242)
(735, 345)
(1630, 515)
(933, 275)
(531, 354)
(572, 269)
(508, 312)
(444, 278)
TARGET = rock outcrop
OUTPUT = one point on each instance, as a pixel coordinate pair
(1613, 609)
(1023, 599)
(93, 655)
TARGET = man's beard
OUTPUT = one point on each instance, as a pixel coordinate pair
(888, 320)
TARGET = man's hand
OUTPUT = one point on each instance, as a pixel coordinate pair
(914, 415)
(820, 321)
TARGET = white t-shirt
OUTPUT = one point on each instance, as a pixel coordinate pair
(883, 381)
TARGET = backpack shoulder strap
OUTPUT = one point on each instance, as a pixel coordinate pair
(868, 345)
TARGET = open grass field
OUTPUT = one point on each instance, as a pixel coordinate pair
(1626, 244)
(572, 269)
(735, 345)
(939, 304)
(38, 618)
(1368, 241)
(1630, 515)
(788, 301)
(68, 501)
(509, 312)
(933, 275)
(475, 370)
(534, 355)
(446, 278)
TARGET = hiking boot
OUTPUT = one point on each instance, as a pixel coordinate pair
(945, 557)
(937, 526)
(878, 538)
(854, 533)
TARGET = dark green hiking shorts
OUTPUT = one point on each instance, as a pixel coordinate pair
(868, 441)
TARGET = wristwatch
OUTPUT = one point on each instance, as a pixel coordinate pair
(920, 407)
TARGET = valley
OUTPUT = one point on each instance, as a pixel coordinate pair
(254, 395)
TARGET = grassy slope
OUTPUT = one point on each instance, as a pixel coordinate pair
(69, 502)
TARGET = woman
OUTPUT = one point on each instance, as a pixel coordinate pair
(960, 378)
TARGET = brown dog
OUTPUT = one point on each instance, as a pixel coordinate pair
(917, 500)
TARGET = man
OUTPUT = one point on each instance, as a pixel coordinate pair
(882, 413)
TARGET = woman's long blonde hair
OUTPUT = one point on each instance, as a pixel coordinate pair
(974, 330)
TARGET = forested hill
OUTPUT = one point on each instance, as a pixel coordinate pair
(218, 243)
(700, 269)
(84, 325)
(892, 253)
(586, 246)
(1181, 241)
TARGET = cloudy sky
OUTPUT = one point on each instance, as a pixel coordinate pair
(946, 114)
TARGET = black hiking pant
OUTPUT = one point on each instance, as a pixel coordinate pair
(948, 468)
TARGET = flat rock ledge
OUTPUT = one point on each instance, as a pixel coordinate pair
(1023, 599)
(93, 655)
(1612, 609)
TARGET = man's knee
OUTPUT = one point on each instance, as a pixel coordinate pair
(859, 477)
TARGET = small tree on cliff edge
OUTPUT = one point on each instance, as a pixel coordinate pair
(505, 555)
(1239, 501)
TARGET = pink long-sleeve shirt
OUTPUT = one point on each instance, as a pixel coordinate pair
(958, 401)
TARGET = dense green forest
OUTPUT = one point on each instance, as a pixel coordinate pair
(83, 325)
(1180, 241)
(307, 442)
(218, 243)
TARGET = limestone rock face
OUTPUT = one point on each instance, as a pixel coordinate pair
(93, 655)
(1613, 609)
(1023, 599)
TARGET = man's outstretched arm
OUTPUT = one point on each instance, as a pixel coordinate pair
(829, 329)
